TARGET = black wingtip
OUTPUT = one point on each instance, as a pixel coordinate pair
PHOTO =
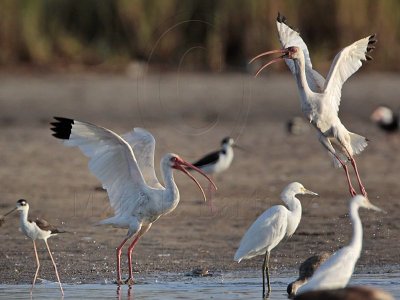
(372, 39)
(280, 18)
(62, 128)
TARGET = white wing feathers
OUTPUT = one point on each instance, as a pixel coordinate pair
(143, 146)
(289, 37)
(112, 162)
(265, 233)
(345, 64)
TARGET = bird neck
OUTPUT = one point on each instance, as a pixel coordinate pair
(301, 77)
(294, 206)
(171, 192)
(23, 216)
(356, 241)
(227, 149)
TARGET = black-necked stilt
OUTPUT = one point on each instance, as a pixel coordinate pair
(38, 229)
(218, 161)
(306, 270)
(297, 126)
(320, 97)
(125, 166)
(386, 119)
(271, 228)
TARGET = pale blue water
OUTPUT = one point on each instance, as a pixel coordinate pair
(236, 285)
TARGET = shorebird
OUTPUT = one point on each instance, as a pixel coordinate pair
(336, 271)
(386, 119)
(320, 98)
(349, 293)
(306, 270)
(218, 161)
(125, 167)
(37, 229)
(271, 227)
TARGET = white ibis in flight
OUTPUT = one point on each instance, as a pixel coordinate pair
(218, 161)
(125, 166)
(320, 98)
(336, 271)
(38, 229)
(271, 228)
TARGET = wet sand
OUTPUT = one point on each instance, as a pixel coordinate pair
(189, 114)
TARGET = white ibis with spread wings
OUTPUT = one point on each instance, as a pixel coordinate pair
(125, 166)
(320, 98)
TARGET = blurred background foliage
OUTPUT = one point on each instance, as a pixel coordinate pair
(201, 34)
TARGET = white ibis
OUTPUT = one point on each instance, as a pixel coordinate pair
(306, 270)
(320, 98)
(336, 271)
(271, 227)
(218, 161)
(37, 229)
(125, 167)
(386, 119)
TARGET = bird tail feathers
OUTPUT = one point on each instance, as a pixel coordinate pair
(358, 143)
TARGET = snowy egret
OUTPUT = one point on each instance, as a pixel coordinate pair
(306, 270)
(336, 271)
(37, 229)
(320, 98)
(125, 167)
(271, 227)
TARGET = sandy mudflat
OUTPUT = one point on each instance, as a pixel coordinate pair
(189, 115)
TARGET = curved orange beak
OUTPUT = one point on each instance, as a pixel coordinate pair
(284, 51)
(180, 165)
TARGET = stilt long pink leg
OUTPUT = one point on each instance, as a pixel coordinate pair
(119, 281)
(37, 264)
(346, 170)
(55, 267)
(130, 250)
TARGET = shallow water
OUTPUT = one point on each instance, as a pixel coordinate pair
(236, 285)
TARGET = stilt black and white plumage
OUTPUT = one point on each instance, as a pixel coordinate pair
(38, 229)
(218, 161)
(387, 119)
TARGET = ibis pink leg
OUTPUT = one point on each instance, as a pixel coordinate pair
(362, 188)
(55, 267)
(37, 264)
(130, 250)
(119, 281)
(346, 170)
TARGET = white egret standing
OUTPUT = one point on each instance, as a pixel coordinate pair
(336, 271)
(38, 229)
(320, 98)
(125, 167)
(271, 227)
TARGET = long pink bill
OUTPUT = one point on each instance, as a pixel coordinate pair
(183, 169)
(284, 51)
